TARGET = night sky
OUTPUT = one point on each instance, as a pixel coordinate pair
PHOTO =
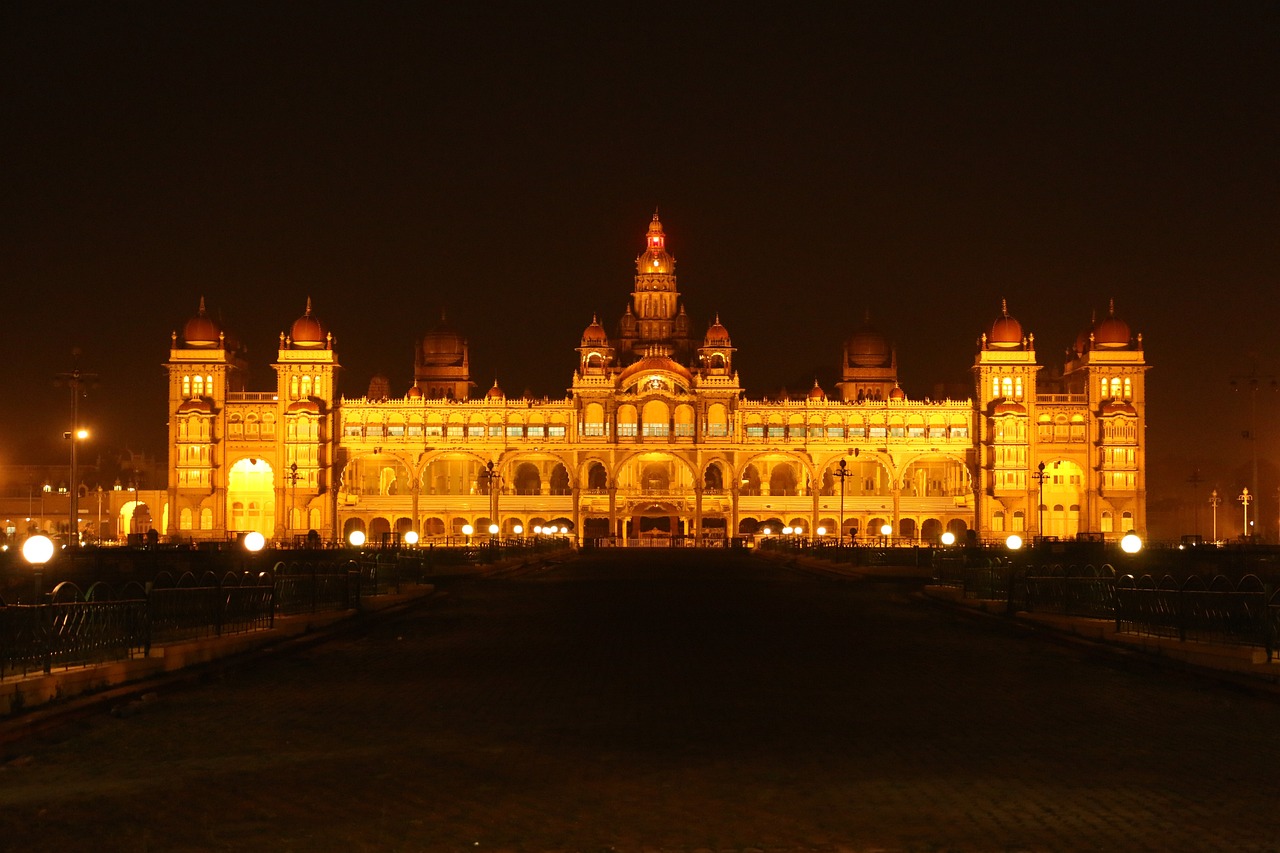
(501, 162)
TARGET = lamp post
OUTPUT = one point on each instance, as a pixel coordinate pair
(1245, 498)
(37, 551)
(1215, 502)
(1039, 476)
(76, 380)
(493, 491)
(842, 471)
(293, 493)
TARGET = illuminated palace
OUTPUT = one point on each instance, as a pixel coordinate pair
(656, 439)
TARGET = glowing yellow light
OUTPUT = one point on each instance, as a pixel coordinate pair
(356, 538)
(493, 530)
(517, 530)
(786, 531)
(37, 550)
(467, 530)
(765, 531)
(1131, 543)
(948, 538)
(822, 531)
(254, 541)
(886, 530)
(1014, 542)
(411, 538)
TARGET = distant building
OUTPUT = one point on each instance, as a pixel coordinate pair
(656, 438)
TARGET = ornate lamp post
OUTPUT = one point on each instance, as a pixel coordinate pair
(1245, 498)
(293, 493)
(1215, 502)
(842, 471)
(1039, 476)
(494, 487)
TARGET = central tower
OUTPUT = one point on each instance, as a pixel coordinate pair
(655, 322)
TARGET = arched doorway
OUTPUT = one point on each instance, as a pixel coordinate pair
(251, 497)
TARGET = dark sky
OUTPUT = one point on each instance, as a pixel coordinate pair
(501, 162)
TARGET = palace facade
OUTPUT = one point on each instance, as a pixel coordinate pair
(656, 438)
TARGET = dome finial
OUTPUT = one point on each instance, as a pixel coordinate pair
(201, 312)
(1111, 307)
(1004, 306)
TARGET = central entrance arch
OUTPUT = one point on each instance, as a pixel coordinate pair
(251, 503)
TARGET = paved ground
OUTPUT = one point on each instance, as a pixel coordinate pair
(668, 702)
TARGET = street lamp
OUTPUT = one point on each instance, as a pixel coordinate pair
(1215, 502)
(37, 551)
(293, 493)
(1131, 543)
(1014, 542)
(842, 471)
(76, 381)
(493, 491)
(948, 538)
(356, 538)
(410, 538)
(1039, 476)
(886, 530)
(1246, 499)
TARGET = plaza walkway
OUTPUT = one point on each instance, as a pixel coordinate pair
(665, 701)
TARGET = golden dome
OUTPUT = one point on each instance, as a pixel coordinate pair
(414, 393)
(897, 394)
(1111, 332)
(201, 331)
(495, 393)
(307, 332)
(594, 335)
(1006, 332)
(816, 392)
(717, 335)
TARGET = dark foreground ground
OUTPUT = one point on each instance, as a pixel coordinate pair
(666, 702)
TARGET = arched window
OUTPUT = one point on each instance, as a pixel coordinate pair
(186, 386)
(1108, 522)
(997, 521)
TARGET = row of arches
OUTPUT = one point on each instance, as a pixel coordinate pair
(388, 474)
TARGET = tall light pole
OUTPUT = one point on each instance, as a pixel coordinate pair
(493, 494)
(1039, 476)
(76, 380)
(293, 493)
(1246, 498)
(1215, 502)
(842, 471)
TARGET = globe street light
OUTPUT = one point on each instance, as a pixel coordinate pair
(356, 538)
(948, 538)
(1014, 542)
(1131, 543)
(411, 538)
(37, 551)
(254, 541)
